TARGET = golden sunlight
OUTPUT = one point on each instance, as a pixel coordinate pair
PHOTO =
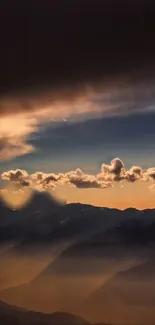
(16, 199)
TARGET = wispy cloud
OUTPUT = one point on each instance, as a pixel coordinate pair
(22, 115)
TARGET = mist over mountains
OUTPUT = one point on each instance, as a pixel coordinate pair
(94, 262)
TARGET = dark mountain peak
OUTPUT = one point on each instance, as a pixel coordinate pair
(79, 205)
(42, 200)
(62, 318)
(130, 209)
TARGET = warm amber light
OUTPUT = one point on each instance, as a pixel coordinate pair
(16, 198)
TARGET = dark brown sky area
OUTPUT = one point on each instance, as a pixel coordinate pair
(64, 42)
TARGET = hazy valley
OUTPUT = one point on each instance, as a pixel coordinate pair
(97, 263)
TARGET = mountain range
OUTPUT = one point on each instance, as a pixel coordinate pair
(98, 263)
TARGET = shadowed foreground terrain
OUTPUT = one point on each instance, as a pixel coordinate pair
(11, 315)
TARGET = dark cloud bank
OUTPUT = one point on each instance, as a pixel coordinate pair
(58, 43)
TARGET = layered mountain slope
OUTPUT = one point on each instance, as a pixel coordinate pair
(83, 267)
(126, 298)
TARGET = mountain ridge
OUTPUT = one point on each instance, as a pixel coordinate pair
(26, 317)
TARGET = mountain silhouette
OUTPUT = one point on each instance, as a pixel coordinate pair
(119, 243)
(44, 219)
(12, 315)
(92, 248)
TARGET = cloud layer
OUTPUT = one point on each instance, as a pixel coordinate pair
(107, 176)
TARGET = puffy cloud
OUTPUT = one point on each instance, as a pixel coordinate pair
(116, 171)
(44, 181)
(81, 180)
(133, 174)
(136, 170)
(15, 175)
(73, 178)
(115, 167)
(130, 176)
(19, 178)
(113, 171)
(150, 173)
(108, 175)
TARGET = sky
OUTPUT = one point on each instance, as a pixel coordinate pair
(77, 100)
